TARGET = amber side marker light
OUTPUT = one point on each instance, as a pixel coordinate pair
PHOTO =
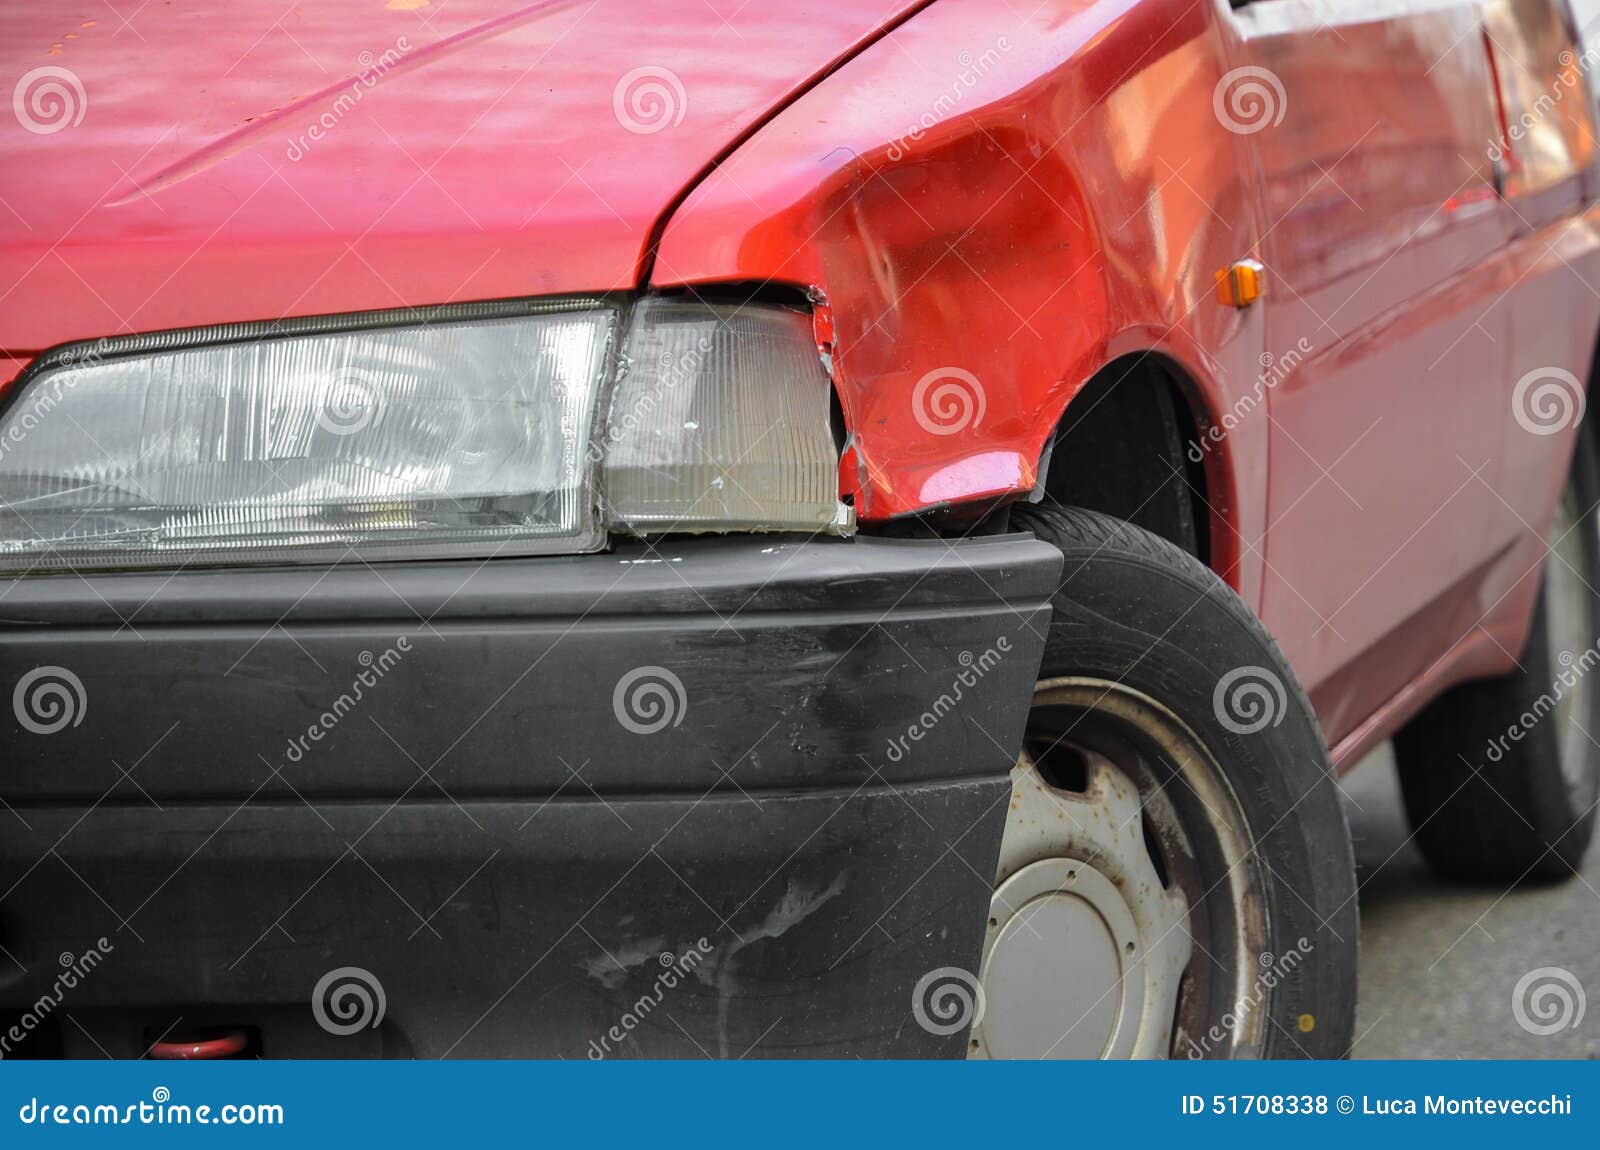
(1241, 284)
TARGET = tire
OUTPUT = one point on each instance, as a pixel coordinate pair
(1501, 776)
(1141, 614)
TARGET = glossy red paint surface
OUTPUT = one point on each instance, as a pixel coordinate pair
(1396, 298)
(1076, 177)
(243, 163)
(229, 1044)
(994, 204)
(992, 212)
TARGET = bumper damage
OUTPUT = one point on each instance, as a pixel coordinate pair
(715, 797)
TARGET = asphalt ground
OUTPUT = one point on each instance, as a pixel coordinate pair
(1441, 962)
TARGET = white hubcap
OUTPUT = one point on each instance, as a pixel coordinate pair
(1086, 947)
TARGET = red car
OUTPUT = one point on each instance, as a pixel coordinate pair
(633, 528)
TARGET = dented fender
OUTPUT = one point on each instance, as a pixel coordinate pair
(989, 234)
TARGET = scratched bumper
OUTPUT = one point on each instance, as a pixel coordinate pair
(721, 797)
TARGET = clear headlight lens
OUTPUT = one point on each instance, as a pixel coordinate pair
(721, 421)
(472, 436)
(428, 441)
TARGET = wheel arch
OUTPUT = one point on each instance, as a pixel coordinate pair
(1137, 441)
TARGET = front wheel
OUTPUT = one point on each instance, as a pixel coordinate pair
(1175, 875)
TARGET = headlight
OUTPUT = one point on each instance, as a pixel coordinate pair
(473, 434)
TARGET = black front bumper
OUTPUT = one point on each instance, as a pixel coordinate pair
(517, 794)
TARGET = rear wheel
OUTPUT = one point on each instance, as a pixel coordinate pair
(1175, 877)
(1501, 776)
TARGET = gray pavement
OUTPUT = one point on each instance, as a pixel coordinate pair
(1440, 962)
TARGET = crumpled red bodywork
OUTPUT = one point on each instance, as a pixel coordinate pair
(991, 206)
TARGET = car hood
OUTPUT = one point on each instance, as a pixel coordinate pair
(203, 162)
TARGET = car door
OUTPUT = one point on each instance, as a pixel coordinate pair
(1546, 78)
(1381, 220)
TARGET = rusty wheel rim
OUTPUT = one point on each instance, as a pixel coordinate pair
(1128, 919)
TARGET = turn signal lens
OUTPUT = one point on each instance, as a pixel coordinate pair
(721, 421)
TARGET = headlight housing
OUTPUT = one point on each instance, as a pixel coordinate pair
(380, 437)
(721, 421)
